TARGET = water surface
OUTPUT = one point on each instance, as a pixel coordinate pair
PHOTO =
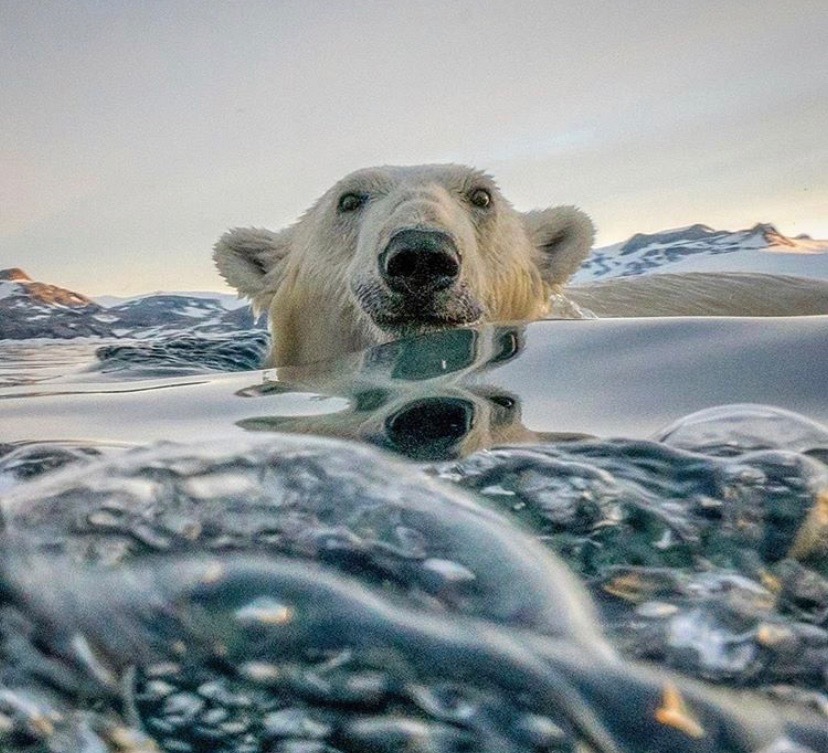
(650, 537)
(604, 377)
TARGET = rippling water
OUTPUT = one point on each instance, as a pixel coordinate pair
(608, 530)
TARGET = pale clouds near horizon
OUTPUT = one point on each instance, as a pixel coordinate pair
(133, 134)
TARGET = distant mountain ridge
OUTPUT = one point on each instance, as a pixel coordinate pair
(699, 248)
(30, 309)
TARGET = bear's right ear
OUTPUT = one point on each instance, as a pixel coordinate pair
(245, 257)
(564, 237)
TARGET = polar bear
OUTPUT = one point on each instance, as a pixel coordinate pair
(394, 251)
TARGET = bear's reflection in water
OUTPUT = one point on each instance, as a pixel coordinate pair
(420, 397)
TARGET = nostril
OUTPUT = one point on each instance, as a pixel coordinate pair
(403, 263)
(445, 264)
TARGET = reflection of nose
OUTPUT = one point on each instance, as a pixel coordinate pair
(430, 429)
(419, 261)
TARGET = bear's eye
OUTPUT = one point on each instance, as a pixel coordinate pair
(350, 202)
(480, 197)
(504, 401)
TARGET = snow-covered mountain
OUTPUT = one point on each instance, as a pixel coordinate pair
(35, 309)
(699, 248)
(227, 300)
(30, 309)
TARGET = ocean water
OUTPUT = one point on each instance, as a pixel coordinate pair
(596, 535)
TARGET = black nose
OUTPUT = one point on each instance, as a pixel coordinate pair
(419, 261)
(431, 428)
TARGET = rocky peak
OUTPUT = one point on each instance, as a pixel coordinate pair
(770, 234)
(14, 274)
(43, 293)
(642, 240)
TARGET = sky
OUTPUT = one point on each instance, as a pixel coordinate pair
(132, 134)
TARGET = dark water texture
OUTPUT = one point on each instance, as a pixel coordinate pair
(569, 592)
(184, 355)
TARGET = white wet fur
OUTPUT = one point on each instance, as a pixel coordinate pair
(305, 277)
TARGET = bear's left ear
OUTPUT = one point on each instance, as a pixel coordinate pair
(564, 237)
(245, 256)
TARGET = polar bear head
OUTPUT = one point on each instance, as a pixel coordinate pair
(393, 251)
